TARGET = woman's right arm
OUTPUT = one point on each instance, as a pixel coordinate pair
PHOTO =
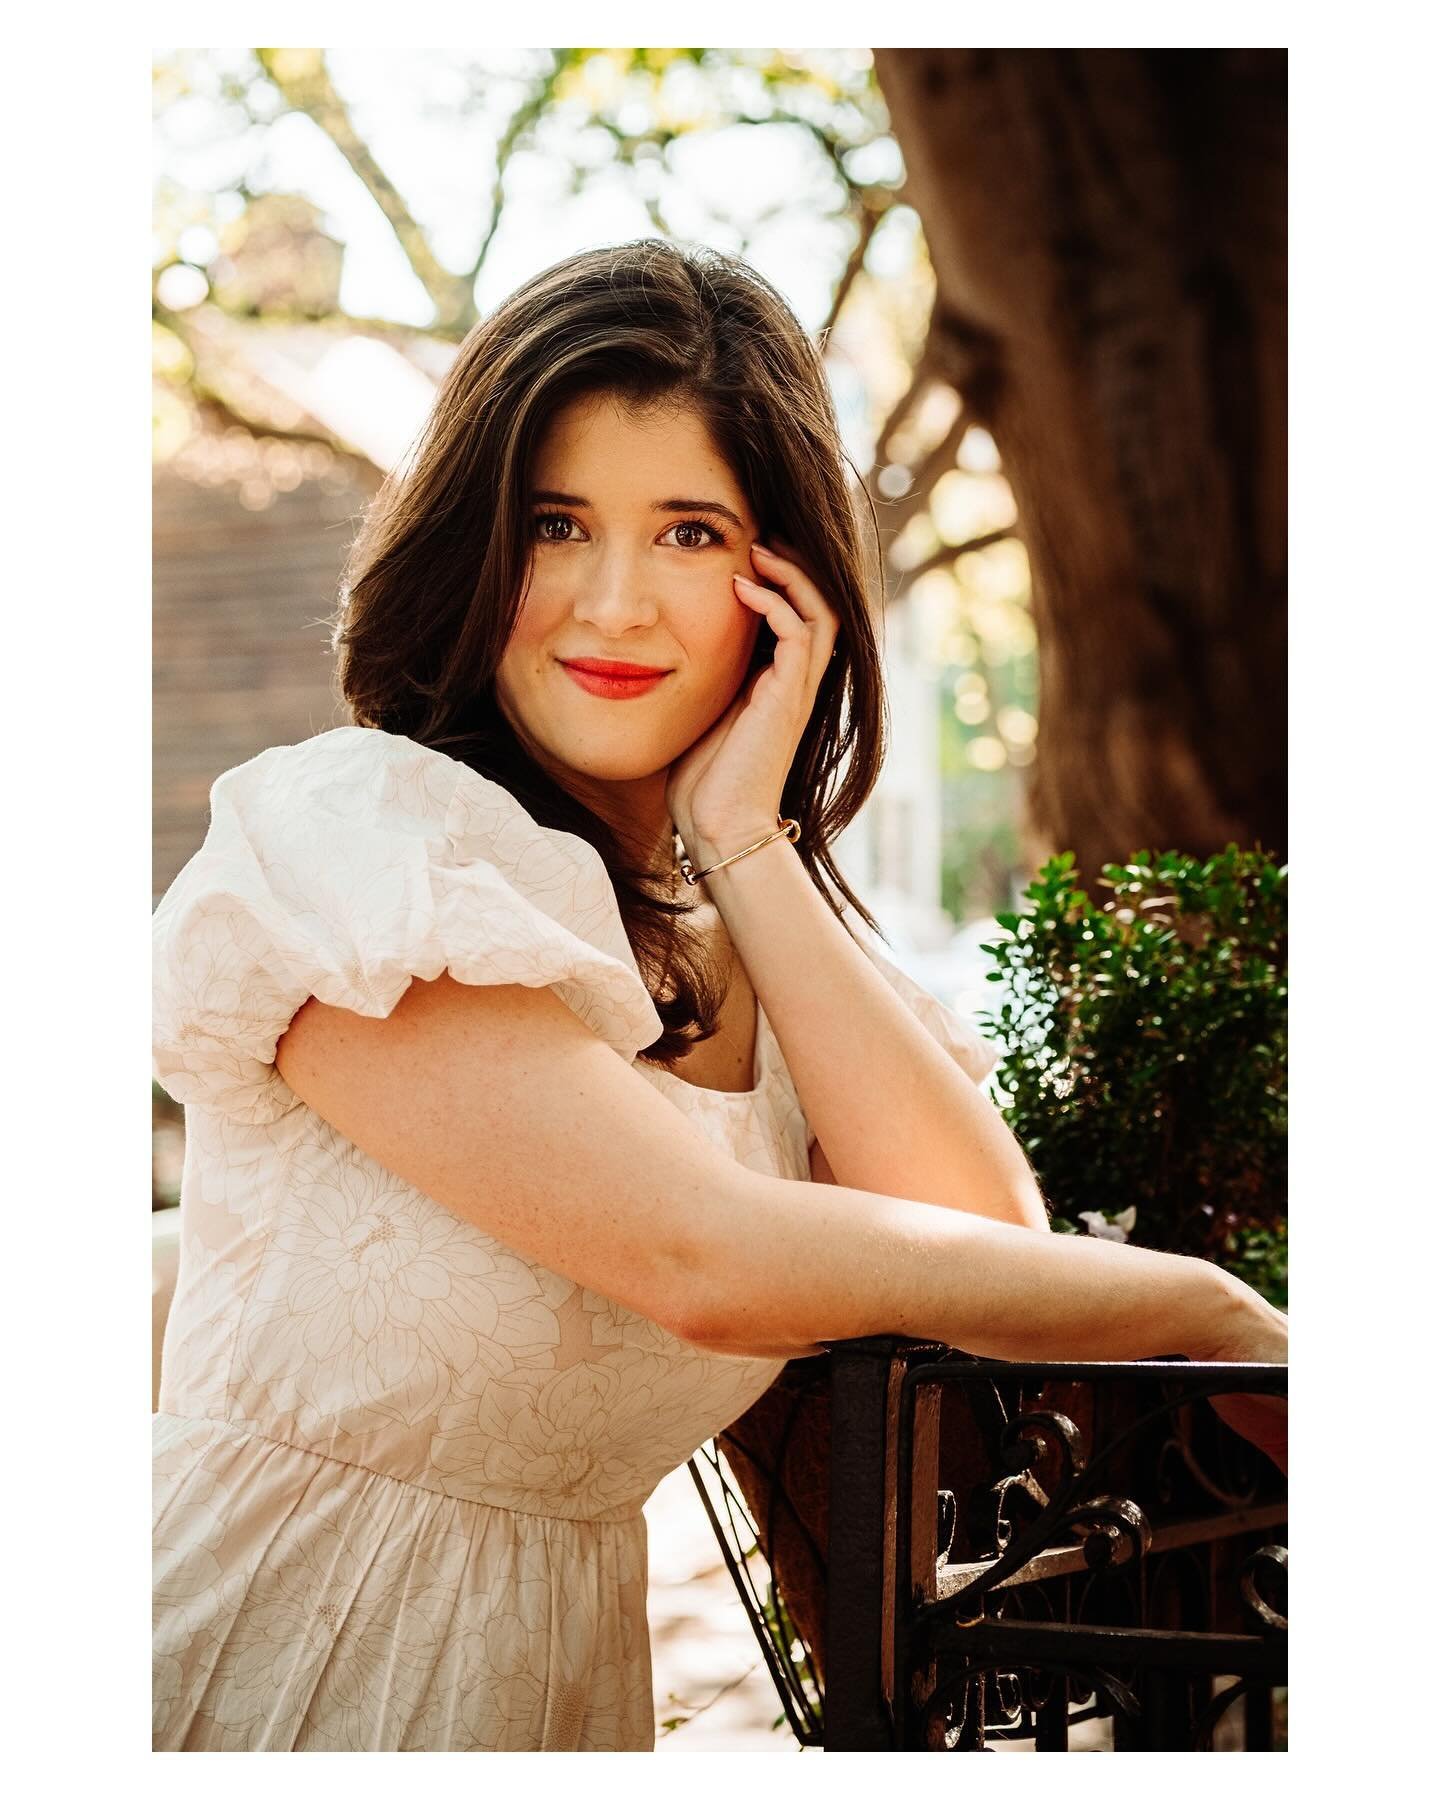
(502, 1105)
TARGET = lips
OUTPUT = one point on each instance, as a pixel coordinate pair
(594, 665)
(613, 680)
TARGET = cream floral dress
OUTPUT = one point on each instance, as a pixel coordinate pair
(399, 1467)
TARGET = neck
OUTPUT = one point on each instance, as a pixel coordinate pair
(636, 811)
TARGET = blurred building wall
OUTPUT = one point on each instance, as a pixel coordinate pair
(241, 656)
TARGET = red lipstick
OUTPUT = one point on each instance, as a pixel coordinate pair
(613, 680)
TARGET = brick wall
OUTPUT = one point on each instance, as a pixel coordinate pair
(241, 659)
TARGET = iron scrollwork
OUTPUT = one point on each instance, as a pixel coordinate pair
(955, 1634)
(1099, 1547)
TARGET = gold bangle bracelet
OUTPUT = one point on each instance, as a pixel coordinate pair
(788, 828)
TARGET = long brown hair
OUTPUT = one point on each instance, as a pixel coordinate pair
(435, 579)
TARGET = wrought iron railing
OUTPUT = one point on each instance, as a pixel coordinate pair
(1004, 1550)
(786, 1654)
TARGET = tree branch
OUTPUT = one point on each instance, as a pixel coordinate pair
(939, 461)
(524, 116)
(870, 217)
(304, 80)
(947, 553)
(919, 378)
(200, 385)
(229, 414)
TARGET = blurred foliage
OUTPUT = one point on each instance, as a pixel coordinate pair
(276, 258)
(785, 1636)
(1144, 1053)
(985, 650)
(590, 114)
(980, 837)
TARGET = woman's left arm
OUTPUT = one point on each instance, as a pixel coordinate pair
(891, 1110)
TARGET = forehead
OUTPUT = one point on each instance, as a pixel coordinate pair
(608, 441)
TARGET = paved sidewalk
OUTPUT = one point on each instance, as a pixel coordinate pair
(708, 1670)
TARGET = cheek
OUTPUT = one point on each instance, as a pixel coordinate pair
(724, 638)
(540, 612)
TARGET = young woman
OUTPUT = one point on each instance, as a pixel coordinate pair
(519, 1160)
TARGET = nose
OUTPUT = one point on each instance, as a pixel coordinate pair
(613, 595)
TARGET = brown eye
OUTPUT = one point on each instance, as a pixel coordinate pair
(691, 534)
(554, 528)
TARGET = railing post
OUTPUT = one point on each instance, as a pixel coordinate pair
(911, 1551)
(857, 1716)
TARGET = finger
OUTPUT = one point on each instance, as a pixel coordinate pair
(806, 598)
(780, 615)
(799, 588)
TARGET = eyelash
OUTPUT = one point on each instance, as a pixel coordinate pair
(715, 536)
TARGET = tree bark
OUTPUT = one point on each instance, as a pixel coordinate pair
(1107, 229)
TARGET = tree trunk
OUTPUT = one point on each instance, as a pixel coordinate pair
(1108, 233)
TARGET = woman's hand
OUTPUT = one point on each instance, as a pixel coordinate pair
(1263, 1335)
(729, 782)
(1262, 1420)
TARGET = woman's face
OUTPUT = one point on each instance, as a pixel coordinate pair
(638, 525)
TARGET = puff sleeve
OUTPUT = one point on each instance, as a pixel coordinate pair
(975, 1054)
(346, 866)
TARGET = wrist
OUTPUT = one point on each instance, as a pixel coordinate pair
(1232, 1317)
(710, 843)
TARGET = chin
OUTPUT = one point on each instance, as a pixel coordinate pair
(624, 764)
(623, 758)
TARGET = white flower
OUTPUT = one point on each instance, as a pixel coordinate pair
(1118, 1228)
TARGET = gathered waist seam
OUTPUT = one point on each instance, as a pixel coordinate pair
(247, 1431)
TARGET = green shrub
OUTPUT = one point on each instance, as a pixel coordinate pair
(1143, 1053)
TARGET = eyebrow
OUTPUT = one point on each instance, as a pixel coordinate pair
(552, 497)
